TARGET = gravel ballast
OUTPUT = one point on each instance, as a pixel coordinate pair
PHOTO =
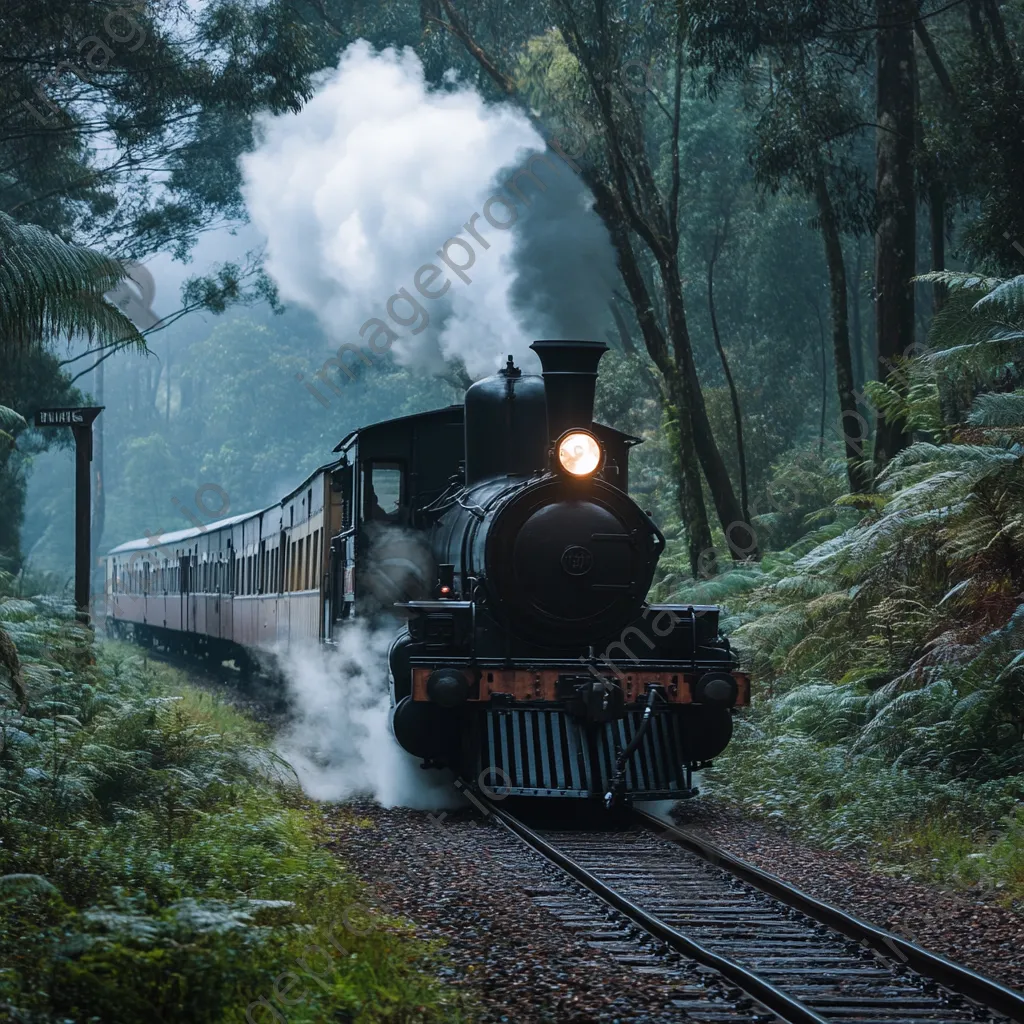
(514, 931)
(972, 930)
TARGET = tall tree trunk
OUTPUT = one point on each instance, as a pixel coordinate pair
(896, 202)
(857, 340)
(692, 509)
(937, 218)
(739, 533)
(99, 501)
(691, 496)
(824, 382)
(628, 199)
(736, 414)
(1002, 44)
(850, 420)
(937, 199)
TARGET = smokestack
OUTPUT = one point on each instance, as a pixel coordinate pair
(570, 376)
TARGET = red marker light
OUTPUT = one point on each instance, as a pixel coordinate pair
(446, 590)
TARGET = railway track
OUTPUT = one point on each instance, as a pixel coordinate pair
(797, 959)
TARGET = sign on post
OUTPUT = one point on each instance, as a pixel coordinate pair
(68, 417)
(80, 420)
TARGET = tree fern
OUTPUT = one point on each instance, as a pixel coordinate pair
(960, 280)
(49, 287)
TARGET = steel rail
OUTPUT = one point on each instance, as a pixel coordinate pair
(785, 1006)
(950, 975)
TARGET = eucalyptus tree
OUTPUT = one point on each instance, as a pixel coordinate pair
(120, 122)
(896, 202)
(120, 125)
(804, 69)
(720, 200)
(584, 68)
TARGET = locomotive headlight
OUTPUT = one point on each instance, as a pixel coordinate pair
(579, 453)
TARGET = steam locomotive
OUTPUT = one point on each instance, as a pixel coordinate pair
(502, 532)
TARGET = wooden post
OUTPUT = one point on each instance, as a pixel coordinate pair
(80, 421)
(83, 518)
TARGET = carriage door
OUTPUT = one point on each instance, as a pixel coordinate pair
(183, 591)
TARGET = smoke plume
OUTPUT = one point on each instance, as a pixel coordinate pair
(369, 181)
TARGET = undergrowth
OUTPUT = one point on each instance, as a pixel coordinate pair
(959, 833)
(886, 641)
(157, 864)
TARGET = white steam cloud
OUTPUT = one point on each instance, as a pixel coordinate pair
(377, 178)
(339, 740)
(367, 182)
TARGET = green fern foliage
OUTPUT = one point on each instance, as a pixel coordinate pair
(49, 287)
(886, 641)
(157, 864)
(998, 410)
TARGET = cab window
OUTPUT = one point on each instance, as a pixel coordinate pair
(383, 492)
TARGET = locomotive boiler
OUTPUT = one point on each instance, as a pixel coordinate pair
(502, 533)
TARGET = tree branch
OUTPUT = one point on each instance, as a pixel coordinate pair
(94, 365)
(457, 26)
(673, 202)
(935, 60)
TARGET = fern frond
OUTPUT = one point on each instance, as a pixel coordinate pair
(997, 410)
(1008, 295)
(49, 287)
(975, 460)
(959, 280)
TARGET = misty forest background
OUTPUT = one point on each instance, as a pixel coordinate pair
(803, 230)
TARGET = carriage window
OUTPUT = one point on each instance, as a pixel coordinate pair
(383, 492)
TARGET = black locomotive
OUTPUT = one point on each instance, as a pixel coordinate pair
(537, 668)
(502, 530)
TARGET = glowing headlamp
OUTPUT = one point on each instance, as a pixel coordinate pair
(579, 453)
